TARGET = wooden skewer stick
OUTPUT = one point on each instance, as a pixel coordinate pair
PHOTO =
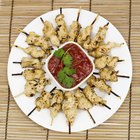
(123, 76)
(80, 88)
(121, 60)
(107, 24)
(96, 73)
(23, 32)
(19, 94)
(90, 115)
(95, 19)
(53, 89)
(78, 14)
(17, 74)
(60, 10)
(69, 127)
(17, 62)
(42, 20)
(105, 106)
(36, 107)
(32, 111)
(115, 94)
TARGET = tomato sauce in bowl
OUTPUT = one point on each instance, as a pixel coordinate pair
(80, 62)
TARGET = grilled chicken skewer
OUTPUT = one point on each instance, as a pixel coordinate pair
(32, 74)
(85, 33)
(37, 40)
(83, 102)
(61, 28)
(50, 33)
(27, 62)
(106, 61)
(33, 51)
(97, 41)
(69, 108)
(109, 74)
(43, 101)
(101, 85)
(56, 103)
(74, 29)
(104, 49)
(93, 97)
(34, 86)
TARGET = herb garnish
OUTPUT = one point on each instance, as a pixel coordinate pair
(64, 75)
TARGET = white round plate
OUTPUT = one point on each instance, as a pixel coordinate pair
(82, 121)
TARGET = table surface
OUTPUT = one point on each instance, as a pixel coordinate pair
(124, 14)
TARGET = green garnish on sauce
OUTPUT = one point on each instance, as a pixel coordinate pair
(67, 60)
(59, 53)
(64, 75)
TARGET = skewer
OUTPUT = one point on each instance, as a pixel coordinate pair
(95, 19)
(19, 94)
(42, 20)
(23, 32)
(78, 15)
(36, 107)
(80, 88)
(115, 94)
(17, 62)
(106, 106)
(53, 89)
(31, 111)
(123, 76)
(90, 116)
(120, 60)
(107, 24)
(60, 10)
(100, 103)
(69, 127)
(17, 74)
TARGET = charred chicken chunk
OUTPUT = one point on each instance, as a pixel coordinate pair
(74, 31)
(34, 86)
(57, 96)
(32, 74)
(43, 101)
(83, 102)
(98, 40)
(27, 62)
(33, 51)
(50, 33)
(99, 83)
(91, 44)
(84, 34)
(54, 110)
(104, 49)
(37, 40)
(92, 96)
(105, 60)
(61, 28)
(69, 107)
(30, 88)
(108, 74)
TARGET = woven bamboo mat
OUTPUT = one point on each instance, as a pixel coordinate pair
(124, 14)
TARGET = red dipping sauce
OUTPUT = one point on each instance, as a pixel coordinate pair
(80, 63)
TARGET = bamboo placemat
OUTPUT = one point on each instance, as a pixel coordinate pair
(124, 14)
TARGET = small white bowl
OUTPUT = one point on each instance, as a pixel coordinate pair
(73, 88)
